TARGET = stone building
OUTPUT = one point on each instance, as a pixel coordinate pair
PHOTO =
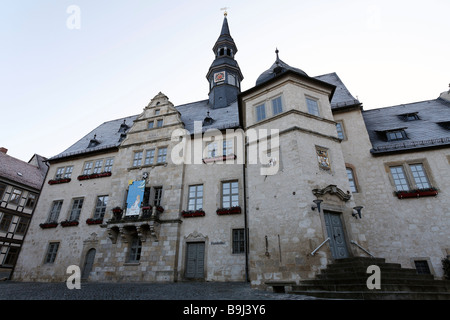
(269, 184)
(20, 186)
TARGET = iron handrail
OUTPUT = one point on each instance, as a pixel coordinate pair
(320, 245)
(356, 244)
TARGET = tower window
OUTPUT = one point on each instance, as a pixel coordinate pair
(221, 52)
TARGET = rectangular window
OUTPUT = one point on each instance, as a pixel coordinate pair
(68, 172)
(151, 124)
(230, 194)
(195, 198)
(162, 154)
(98, 166)
(150, 156)
(159, 123)
(51, 252)
(238, 241)
(420, 178)
(11, 256)
(313, 106)
(276, 106)
(59, 173)
(157, 111)
(77, 204)
(260, 112)
(157, 196)
(5, 222)
(135, 250)
(398, 175)
(100, 207)
(212, 149)
(22, 225)
(31, 200)
(396, 135)
(137, 160)
(15, 196)
(87, 167)
(2, 191)
(351, 180)
(54, 211)
(228, 147)
(340, 130)
(108, 164)
(422, 267)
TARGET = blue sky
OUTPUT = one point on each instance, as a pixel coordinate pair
(57, 84)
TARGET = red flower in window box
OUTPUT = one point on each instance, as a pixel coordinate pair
(226, 211)
(417, 193)
(94, 221)
(93, 176)
(193, 213)
(48, 225)
(67, 223)
(58, 181)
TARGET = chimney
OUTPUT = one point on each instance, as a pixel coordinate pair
(4, 150)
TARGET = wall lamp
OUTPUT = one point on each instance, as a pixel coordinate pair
(317, 202)
(358, 211)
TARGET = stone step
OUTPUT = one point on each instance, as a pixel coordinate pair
(378, 295)
(411, 287)
(383, 275)
(360, 281)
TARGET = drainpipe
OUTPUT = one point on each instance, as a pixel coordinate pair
(247, 278)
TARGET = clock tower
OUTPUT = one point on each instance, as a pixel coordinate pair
(224, 75)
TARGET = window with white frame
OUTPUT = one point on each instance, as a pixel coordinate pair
(88, 167)
(108, 164)
(98, 166)
(230, 194)
(162, 154)
(149, 156)
(15, 196)
(54, 211)
(157, 196)
(195, 197)
(52, 250)
(100, 207)
(351, 180)
(419, 176)
(77, 205)
(135, 249)
(137, 159)
(399, 177)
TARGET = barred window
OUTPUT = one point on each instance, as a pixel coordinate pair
(238, 241)
(51, 252)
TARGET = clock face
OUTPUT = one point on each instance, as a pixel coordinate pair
(219, 76)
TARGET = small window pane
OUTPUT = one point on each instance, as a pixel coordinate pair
(260, 112)
(137, 160)
(351, 180)
(420, 178)
(340, 130)
(162, 154)
(313, 106)
(276, 106)
(398, 175)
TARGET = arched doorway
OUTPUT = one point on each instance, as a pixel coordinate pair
(88, 263)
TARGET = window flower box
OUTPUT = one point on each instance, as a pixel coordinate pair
(193, 213)
(417, 193)
(159, 209)
(58, 181)
(48, 225)
(67, 223)
(94, 221)
(226, 211)
(93, 176)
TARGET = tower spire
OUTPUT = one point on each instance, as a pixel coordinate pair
(224, 75)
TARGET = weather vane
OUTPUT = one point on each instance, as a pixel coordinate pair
(225, 10)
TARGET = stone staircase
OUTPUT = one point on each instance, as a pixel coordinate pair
(347, 279)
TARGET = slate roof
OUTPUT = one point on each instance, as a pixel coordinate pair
(223, 118)
(107, 135)
(341, 97)
(423, 133)
(24, 173)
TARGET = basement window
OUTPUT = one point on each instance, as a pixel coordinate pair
(422, 267)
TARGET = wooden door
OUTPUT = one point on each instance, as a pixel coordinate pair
(195, 260)
(335, 232)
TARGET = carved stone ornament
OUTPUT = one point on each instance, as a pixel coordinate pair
(334, 190)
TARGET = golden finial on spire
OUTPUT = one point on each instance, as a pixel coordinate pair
(225, 10)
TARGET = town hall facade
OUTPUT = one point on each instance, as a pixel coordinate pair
(269, 184)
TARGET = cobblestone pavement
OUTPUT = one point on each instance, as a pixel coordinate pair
(10, 290)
